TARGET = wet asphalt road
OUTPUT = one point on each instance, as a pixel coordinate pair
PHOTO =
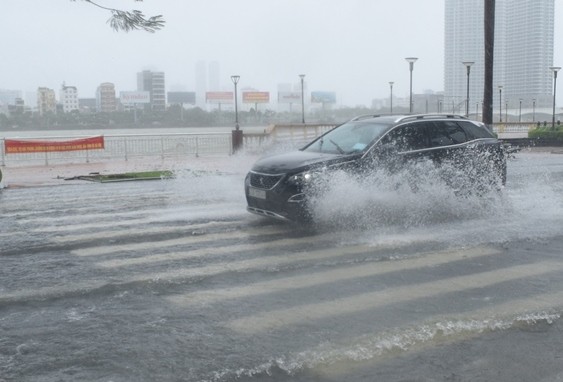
(173, 281)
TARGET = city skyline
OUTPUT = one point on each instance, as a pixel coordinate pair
(522, 26)
(338, 46)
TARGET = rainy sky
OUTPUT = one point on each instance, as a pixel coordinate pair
(351, 47)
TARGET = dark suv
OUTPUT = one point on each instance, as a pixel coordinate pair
(277, 186)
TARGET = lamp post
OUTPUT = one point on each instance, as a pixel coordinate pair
(235, 80)
(555, 70)
(237, 133)
(468, 66)
(411, 61)
(506, 111)
(500, 103)
(391, 96)
(302, 76)
(534, 110)
(520, 112)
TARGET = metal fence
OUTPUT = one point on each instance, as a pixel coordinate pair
(125, 147)
(129, 146)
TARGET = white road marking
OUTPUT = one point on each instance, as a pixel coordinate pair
(309, 313)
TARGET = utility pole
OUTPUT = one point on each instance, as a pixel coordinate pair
(489, 59)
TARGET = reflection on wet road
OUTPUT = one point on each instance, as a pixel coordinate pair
(173, 281)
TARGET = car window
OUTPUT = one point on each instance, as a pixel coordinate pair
(408, 137)
(352, 137)
(446, 133)
(474, 131)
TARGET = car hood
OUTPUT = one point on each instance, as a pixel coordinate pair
(295, 161)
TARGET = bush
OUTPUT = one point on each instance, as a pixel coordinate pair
(547, 133)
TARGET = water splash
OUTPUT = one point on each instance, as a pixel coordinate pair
(392, 343)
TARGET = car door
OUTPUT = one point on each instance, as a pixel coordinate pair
(447, 141)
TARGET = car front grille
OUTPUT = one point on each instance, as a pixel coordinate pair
(263, 181)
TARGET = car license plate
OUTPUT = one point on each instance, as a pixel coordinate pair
(257, 193)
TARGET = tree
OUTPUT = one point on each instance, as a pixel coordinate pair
(489, 59)
(131, 20)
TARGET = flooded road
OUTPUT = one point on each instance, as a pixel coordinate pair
(174, 281)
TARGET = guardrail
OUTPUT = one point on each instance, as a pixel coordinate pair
(125, 147)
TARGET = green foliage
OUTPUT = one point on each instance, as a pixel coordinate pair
(128, 176)
(174, 116)
(547, 133)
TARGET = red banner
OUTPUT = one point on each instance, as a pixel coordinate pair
(18, 146)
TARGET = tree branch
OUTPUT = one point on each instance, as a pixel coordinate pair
(131, 20)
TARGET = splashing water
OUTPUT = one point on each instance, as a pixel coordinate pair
(416, 196)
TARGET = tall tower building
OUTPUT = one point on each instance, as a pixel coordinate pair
(154, 83)
(522, 56)
(214, 76)
(200, 83)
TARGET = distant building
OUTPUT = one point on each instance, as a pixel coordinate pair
(181, 98)
(105, 98)
(214, 76)
(18, 107)
(523, 52)
(154, 83)
(201, 84)
(69, 98)
(8, 97)
(46, 101)
(87, 105)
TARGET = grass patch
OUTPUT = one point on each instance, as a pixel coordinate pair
(127, 176)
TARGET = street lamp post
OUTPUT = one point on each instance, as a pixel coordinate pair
(411, 61)
(506, 111)
(468, 66)
(391, 96)
(237, 133)
(520, 112)
(534, 110)
(500, 103)
(302, 76)
(555, 70)
(235, 80)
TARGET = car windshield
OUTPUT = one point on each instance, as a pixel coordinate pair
(349, 138)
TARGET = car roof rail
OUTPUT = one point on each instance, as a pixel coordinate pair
(365, 116)
(414, 117)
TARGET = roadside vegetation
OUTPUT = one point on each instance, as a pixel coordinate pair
(174, 117)
(548, 133)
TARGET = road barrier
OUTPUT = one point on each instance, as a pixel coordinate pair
(125, 147)
(129, 146)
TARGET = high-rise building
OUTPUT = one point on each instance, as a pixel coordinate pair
(46, 101)
(200, 83)
(154, 83)
(69, 98)
(105, 98)
(215, 76)
(523, 53)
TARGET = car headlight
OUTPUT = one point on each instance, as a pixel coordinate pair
(301, 178)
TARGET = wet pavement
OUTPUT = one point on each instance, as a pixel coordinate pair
(172, 280)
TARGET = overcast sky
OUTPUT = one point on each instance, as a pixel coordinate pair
(351, 47)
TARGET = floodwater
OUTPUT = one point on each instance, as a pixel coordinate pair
(173, 281)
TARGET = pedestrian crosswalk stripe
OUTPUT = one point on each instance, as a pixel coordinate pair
(327, 277)
(309, 313)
